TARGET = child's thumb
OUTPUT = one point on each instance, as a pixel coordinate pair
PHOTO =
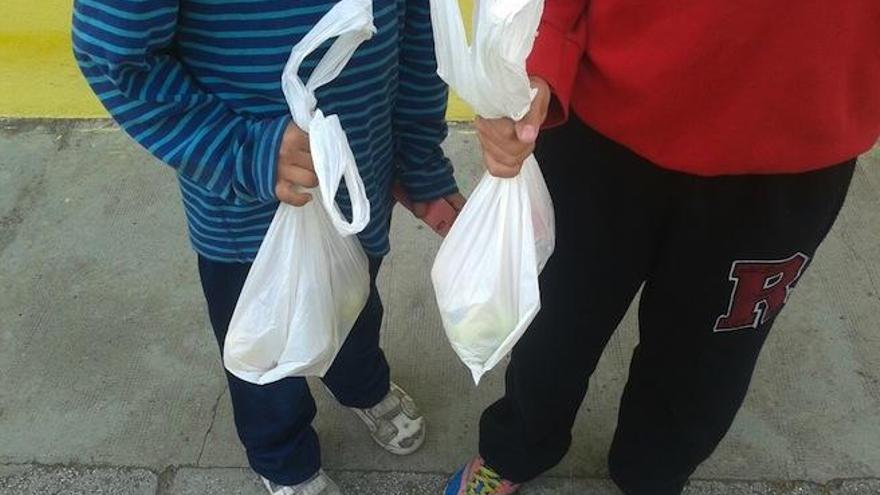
(526, 131)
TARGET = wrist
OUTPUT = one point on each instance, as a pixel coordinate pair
(266, 164)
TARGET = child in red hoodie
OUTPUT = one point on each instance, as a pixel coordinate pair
(699, 150)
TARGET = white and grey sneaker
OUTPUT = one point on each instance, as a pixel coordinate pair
(319, 484)
(395, 423)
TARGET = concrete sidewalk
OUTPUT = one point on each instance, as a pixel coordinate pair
(241, 481)
(112, 382)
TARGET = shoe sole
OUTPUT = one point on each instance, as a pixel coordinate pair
(390, 448)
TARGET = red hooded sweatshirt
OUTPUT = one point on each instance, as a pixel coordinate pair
(717, 87)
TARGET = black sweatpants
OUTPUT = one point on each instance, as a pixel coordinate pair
(718, 258)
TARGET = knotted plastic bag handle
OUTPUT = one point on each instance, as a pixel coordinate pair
(351, 23)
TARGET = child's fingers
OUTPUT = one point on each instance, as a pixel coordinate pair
(291, 194)
(500, 137)
(499, 130)
(295, 138)
(499, 169)
(304, 160)
(501, 157)
(298, 175)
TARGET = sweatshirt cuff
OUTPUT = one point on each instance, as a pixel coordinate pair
(428, 184)
(264, 173)
(555, 58)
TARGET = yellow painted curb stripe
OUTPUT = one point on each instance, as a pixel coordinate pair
(39, 78)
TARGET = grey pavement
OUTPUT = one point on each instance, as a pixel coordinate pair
(38, 480)
(111, 381)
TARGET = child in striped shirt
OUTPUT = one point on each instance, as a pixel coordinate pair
(198, 84)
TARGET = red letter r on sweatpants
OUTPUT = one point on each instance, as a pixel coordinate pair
(760, 290)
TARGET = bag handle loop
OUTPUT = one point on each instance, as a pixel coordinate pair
(351, 23)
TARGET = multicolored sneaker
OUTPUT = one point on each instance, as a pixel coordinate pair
(395, 423)
(476, 478)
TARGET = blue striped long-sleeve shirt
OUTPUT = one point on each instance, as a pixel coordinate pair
(198, 84)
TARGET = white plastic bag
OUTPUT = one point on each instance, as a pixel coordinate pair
(486, 272)
(310, 279)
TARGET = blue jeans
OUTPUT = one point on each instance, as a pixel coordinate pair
(274, 420)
